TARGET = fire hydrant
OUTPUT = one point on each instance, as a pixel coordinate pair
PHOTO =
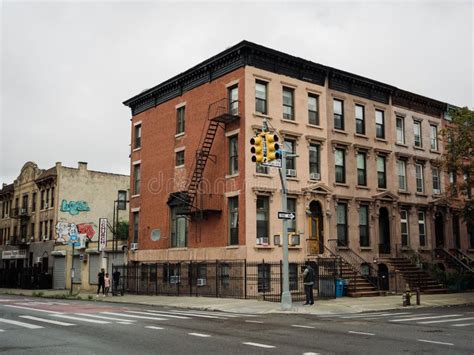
(406, 297)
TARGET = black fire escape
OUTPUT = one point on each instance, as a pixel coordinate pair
(220, 114)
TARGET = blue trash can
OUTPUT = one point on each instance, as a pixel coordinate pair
(339, 287)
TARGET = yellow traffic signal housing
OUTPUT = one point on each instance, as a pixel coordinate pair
(257, 149)
(272, 147)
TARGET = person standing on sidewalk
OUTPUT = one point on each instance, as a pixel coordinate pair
(308, 281)
(107, 284)
(101, 280)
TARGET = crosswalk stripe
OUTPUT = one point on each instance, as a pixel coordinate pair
(48, 321)
(462, 325)
(32, 309)
(447, 320)
(102, 317)
(259, 345)
(1, 330)
(421, 318)
(153, 327)
(189, 314)
(20, 324)
(81, 319)
(224, 314)
(159, 314)
(133, 316)
(200, 335)
(376, 315)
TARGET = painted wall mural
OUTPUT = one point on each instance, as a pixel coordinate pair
(74, 207)
(78, 233)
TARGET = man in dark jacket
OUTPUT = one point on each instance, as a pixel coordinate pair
(308, 281)
(101, 280)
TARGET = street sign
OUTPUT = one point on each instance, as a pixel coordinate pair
(102, 233)
(286, 215)
(273, 163)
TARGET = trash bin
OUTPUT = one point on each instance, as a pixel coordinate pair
(339, 287)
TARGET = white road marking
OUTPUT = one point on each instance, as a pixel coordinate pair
(6, 300)
(311, 354)
(435, 342)
(355, 315)
(446, 320)
(47, 321)
(212, 313)
(188, 314)
(159, 314)
(20, 324)
(132, 316)
(81, 319)
(153, 327)
(462, 325)
(106, 318)
(32, 309)
(421, 318)
(200, 335)
(376, 315)
(360, 333)
(259, 345)
(302, 326)
(1, 330)
(254, 321)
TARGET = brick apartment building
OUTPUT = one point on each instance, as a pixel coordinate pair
(42, 209)
(366, 178)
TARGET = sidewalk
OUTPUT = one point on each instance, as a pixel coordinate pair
(344, 305)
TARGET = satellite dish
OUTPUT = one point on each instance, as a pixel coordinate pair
(155, 235)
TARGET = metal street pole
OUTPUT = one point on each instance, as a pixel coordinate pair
(72, 268)
(285, 295)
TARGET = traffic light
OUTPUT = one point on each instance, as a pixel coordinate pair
(257, 149)
(273, 148)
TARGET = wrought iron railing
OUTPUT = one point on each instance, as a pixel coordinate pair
(457, 262)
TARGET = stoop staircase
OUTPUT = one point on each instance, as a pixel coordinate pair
(358, 285)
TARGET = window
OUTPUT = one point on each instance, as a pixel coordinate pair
(288, 104)
(50, 229)
(361, 169)
(417, 134)
(138, 136)
(341, 224)
(41, 233)
(261, 97)
(52, 196)
(136, 181)
(436, 181)
(434, 137)
(338, 108)
(419, 178)
(180, 119)
(179, 228)
(263, 277)
(224, 274)
(171, 272)
(422, 228)
(404, 227)
(260, 169)
(360, 119)
(402, 175)
(379, 124)
(456, 231)
(180, 158)
(290, 161)
(233, 155)
(136, 222)
(340, 165)
(47, 205)
(291, 207)
(381, 173)
(233, 220)
(33, 202)
(42, 200)
(364, 226)
(202, 271)
(233, 95)
(293, 276)
(400, 123)
(313, 109)
(314, 163)
(262, 217)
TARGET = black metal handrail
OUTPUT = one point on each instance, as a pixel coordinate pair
(444, 253)
(463, 257)
(355, 261)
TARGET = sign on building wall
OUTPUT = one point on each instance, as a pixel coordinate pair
(74, 207)
(102, 233)
(14, 254)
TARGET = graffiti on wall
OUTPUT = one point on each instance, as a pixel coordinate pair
(78, 233)
(74, 207)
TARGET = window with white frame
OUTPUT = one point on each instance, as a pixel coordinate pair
(402, 174)
(261, 97)
(291, 207)
(233, 97)
(314, 165)
(417, 134)
(364, 226)
(420, 186)
(361, 169)
(338, 108)
(262, 217)
(379, 124)
(136, 179)
(179, 228)
(179, 158)
(404, 227)
(436, 180)
(400, 123)
(290, 148)
(341, 220)
(233, 206)
(233, 155)
(434, 137)
(422, 228)
(313, 112)
(381, 172)
(340, 165)
(288, 104)
(180, 119)
(360, 119)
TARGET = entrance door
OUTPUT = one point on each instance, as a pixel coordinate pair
(316, 241)
(59, 273)
(384, 231)
(439, 230)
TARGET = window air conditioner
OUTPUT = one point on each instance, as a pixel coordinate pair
(22, 210)
(294, 239)
(201, 282)
(291, 172)
(44, 238)
(315, 176)
(174, 280)
(134, 246)
(38, 259)
(262, 241)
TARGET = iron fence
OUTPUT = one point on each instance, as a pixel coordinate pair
(26, 278)
(231, 279)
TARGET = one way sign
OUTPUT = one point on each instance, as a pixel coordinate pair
(286, 215)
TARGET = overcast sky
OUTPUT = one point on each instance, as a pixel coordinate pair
(66, 67)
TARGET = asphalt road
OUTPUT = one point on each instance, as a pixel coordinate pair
(42, 326)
